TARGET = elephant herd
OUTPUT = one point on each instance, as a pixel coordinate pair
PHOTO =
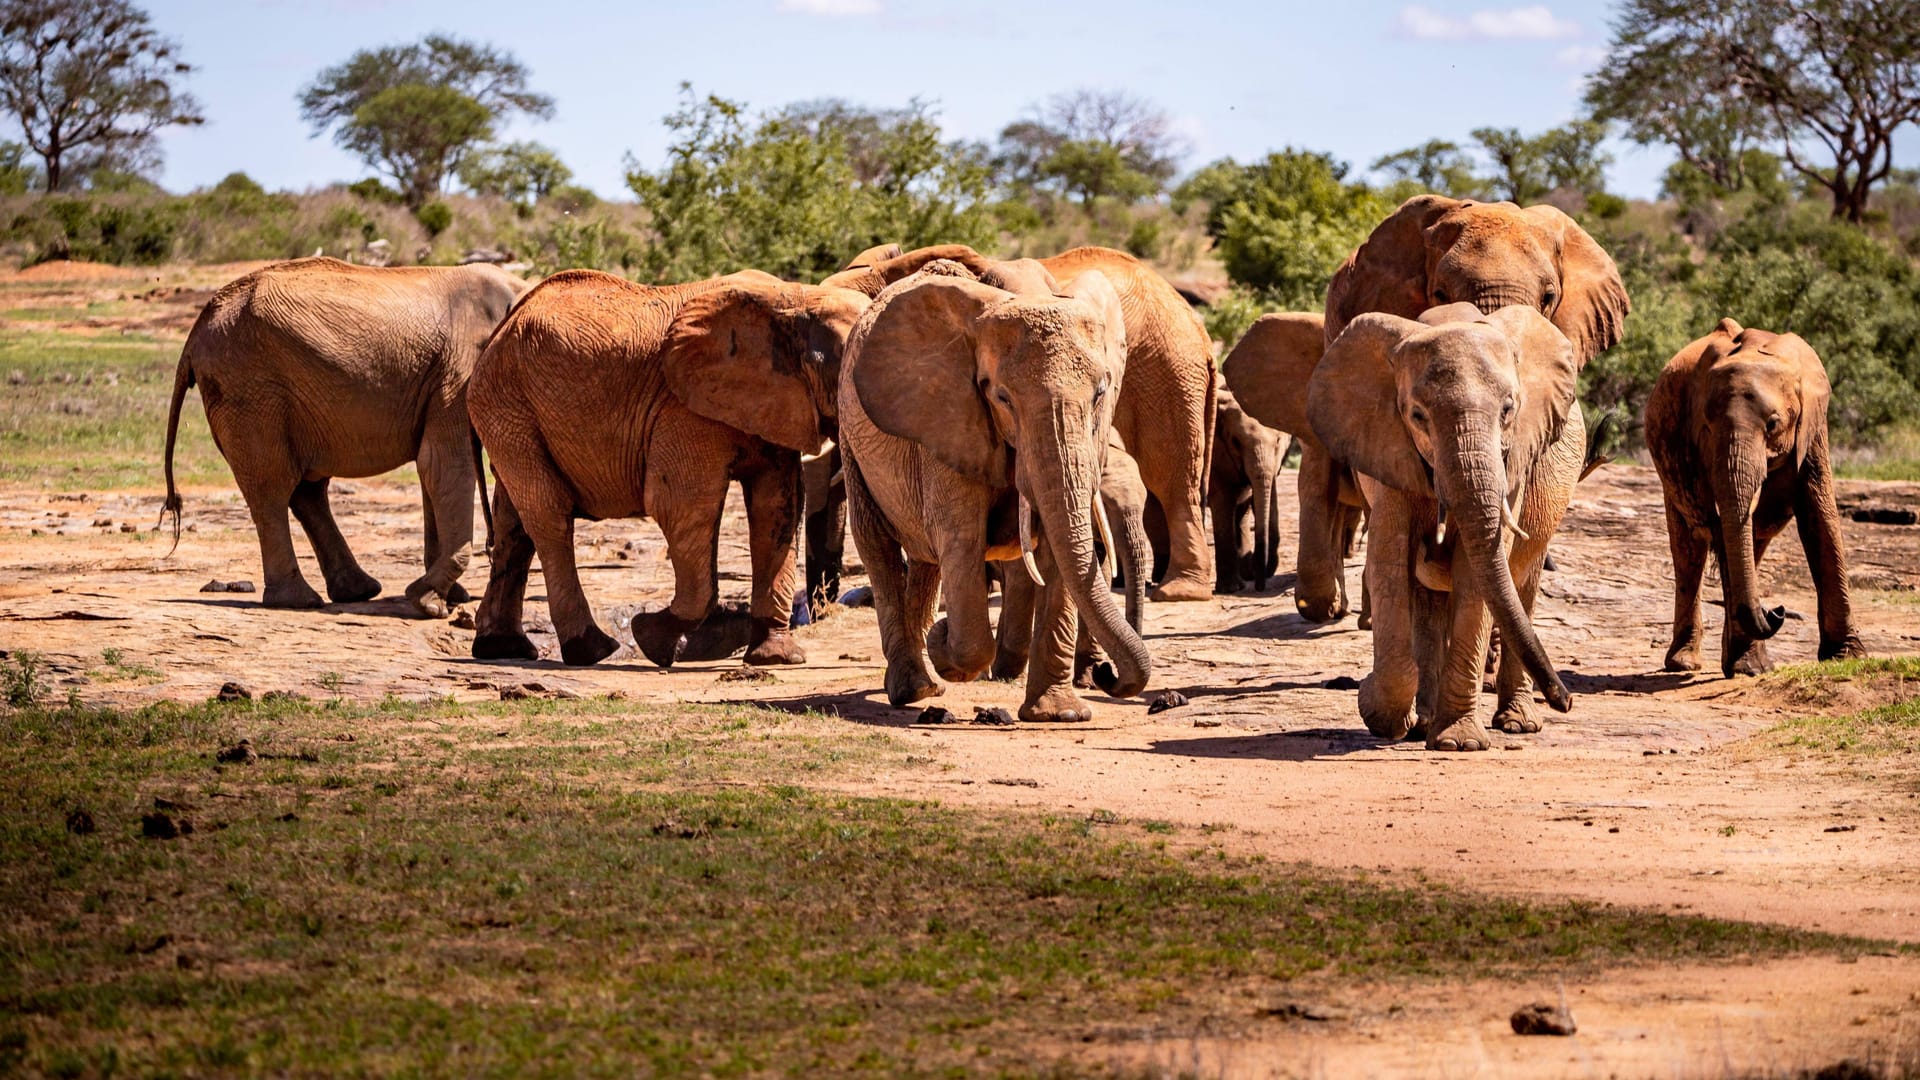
(1044, 424)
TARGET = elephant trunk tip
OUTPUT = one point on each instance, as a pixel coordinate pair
(1108, 680)
(1760, 624)
(1557, 696)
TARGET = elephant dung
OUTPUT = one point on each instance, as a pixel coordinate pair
(1172, 699)
(233, 691)
(992, 717)
(1541, 1018)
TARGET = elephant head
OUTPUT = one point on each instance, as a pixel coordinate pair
(1012, 391)
(1454, 407)
(763, 356)
(1436, 251)
(1765, 397)
(1243, 444)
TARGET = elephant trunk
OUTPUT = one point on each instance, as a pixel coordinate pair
(1479, 515)
(1266, 529)
(1494, 296)
(1136, 559)
(1064, 479)
(1736, 487)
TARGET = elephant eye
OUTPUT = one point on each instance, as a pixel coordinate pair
(1419, 415)
(1773, 423)
(1548, 299)
(1440, 297)
(1506, 412)
(1100, 391)
(1002, 396)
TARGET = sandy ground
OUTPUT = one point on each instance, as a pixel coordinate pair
(1650, 792)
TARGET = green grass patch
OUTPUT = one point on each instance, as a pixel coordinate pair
(1821, 682)
(1894, 455)
(87, 412)
(1883, 729)
(1888, 686)
(598, 886)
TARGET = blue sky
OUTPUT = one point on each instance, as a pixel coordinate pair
(1240, 77)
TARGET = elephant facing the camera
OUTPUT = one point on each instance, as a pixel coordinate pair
(600, 399)
(1468, 441)
(1243, 491)
(973, 422)
(1737, 426)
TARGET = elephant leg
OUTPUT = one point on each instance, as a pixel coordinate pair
(1050, 694)
(902, 597)
(497, 626)
(773, 509)
(1189, 575)
(269, 493)
(1014, 638)
(1818, 520)
(447, 487)
(1153, 521)
(1226, 537)
(961, 645)
(1346, 540)
(1319, 592)
(1456, 722)
(689, 516)
(1514, 711)
(1387, 693)
(545, 504)
(826, 529)
(1689, 566)
(1739, 654)
(347, 583)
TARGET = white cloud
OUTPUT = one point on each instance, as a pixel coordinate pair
(1534, 23)
(831, 8)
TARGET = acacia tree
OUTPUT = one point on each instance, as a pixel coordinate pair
(1826, 83)
(1436, 165)
(416, 111)
(89, 82)
(1093, 144)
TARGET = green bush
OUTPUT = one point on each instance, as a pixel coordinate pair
(435, 217)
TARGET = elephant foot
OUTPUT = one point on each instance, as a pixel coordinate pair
(1315, 611)
(661, 636)
(1384, 719)
(1745, 658)
(291, 594)
(1365, 622)
(1683, 656)
(1007, 666)
(589, 648)
(1849, 648)
(1088, 667)
(908, 683)
(951, 666)
(1516, 717)
(1226, 586)
(352, 587)
(1462, 734)
(499, 646)
(1056, 705)
(1181, 591)
(426, 601)
(772, 646)
(457, 594)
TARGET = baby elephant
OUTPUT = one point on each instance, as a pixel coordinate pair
(314, 369)
(1243, 491)
(1737, 426)
(602, 399)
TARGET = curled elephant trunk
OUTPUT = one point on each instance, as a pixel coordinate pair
(1064, 493)
(1480, 514)
(1736, 487)
(1266, 527)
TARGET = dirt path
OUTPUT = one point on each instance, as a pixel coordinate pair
(1646, 794)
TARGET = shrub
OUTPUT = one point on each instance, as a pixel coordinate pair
(435, 217)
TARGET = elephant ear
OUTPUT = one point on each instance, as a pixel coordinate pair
(1549, 380)
(1814, 392)
(1268, 369)
(1353, 404)
(873, 256)
(1593, 300)
(1094, 289)
(1023, 277)
(737, 354)
(1389, 271)
(916, 372)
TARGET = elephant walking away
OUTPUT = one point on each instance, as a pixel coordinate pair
(1468, 442)
(314, 369)
(600, 398)
(1737, 427)
(972, 424)
(1165, 413)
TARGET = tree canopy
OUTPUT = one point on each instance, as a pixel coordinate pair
(89, 82)
(414, 112)
(1823, 83)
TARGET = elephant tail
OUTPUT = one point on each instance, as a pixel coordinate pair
(480, 478)
(182, 382)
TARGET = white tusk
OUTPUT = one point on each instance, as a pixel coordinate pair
(1026, 543)
(1106, 534)
(1440, 530)
(825, 449)
(1510, 521)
